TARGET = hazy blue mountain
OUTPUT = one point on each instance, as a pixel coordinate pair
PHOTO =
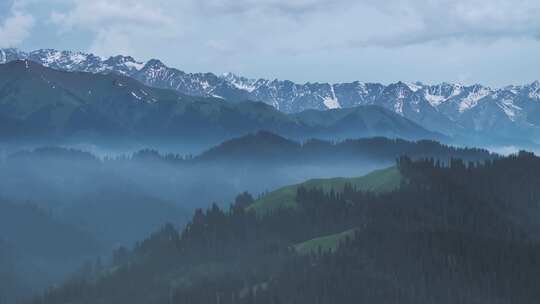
(464, 111)
(39, 234)
(361, 121)
(83, 191)
(266, 147)
(93, 204)
(11, 284)
(38, 249)
(40, 103)
(420, 232)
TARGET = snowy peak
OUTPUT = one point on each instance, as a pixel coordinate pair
(239, 82)
(402, 89)
(53, 57)
(428, 105)
(414, 86)
(7, 55)
(439, 94)
(474, 95)
(152, 71)
(74, 61)
(154, 64)
(122, 64)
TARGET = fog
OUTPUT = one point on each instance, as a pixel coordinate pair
(85, 201)
(115, 199)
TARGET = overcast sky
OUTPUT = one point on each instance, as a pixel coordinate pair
(494, 42)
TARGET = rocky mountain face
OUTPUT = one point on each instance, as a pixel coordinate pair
(453, 109)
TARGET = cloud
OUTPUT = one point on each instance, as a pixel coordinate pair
(294, 7)
(425, 21)
(117, 26)
(15, 28)
(301, 25)
(106, 14)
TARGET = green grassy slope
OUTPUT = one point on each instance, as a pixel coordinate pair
(325, 243)
(377, 181)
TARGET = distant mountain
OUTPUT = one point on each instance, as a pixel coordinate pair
(86, 193)
(40, 103)
(362, 121)
(117, 200)
(37, 249)
(38, 234)
(148, 188)
(265, 147)
(476, 112)
(11, 285)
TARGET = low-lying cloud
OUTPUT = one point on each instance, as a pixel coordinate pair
(305, 24)
(15, 27)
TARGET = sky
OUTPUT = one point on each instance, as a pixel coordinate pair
(492, 42)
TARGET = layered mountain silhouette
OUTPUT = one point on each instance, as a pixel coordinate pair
(419, 232)
(40, 103)
(266, 147)
(37, 248)
(472, 113)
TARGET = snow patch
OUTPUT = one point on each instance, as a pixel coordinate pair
(509, 108)
(134, 65)
(136, 96)
(456, 90)
(434, 100)
(439, 94)
(534, 92)
(414, 86)
(205, 85)
(217, 96)
(240, 83)
(472, 99)
(513, 89)
(362, 88)
(331, 102)
(400, 94)
(244, 86)
(77, 58)
(52, 57)
(398, 106)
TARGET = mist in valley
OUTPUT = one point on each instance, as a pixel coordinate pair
(223, 152)
(108, 200)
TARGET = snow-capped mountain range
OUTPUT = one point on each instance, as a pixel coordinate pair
(449, 108)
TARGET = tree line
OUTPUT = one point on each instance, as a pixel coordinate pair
(454, 232)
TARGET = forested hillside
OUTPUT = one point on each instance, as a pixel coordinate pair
(117, 200)
(455, 232)
(37, 248)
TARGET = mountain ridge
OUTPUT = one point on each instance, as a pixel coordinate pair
(449, 108)
(41, 102)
